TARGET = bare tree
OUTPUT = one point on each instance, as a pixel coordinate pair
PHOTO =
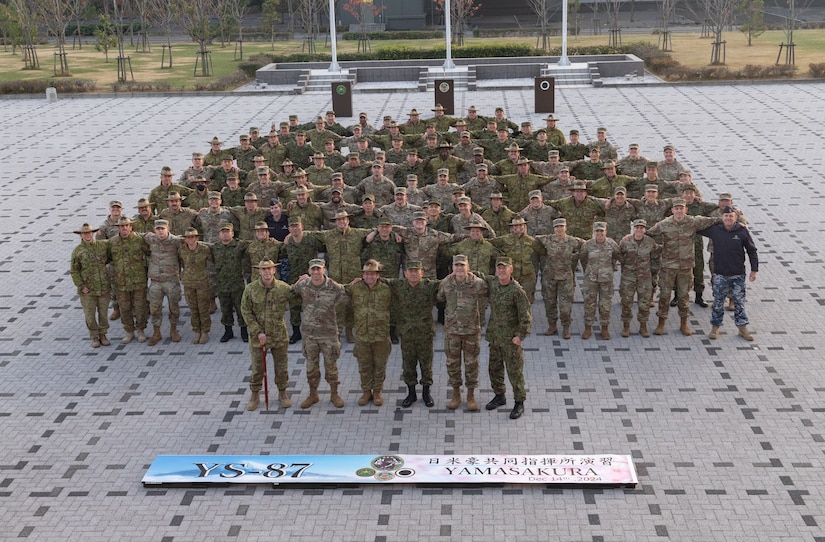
(119, 7)
(195, 16)
(668, 6)
(613, 8)
(57, 14)
(270, 16)
(162, 14)
(143, 7)
(720, 14)
(307, 16)
(460, 13)
(542, 10)
(238, 10)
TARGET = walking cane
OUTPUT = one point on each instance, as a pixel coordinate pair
(266, 381)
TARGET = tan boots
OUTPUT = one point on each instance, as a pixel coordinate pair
(455, 401)
(155, 338)
(312, 398)
(660, 329)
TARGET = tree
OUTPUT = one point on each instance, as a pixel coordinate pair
(363, 11)
(573, 17)
(542, 10)
(754, 25)
(105, 37)
(720, 14)
(271, 16)
(613, 8)
(237, 10)
(668, 6)
(162, 13)
(195, 17)
(57, 14)
(307, 15)
(143, 7)
(10, 28)
(460, 12)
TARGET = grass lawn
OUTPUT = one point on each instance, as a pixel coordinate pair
(689, 49)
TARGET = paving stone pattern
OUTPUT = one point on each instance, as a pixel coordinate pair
(728, 436)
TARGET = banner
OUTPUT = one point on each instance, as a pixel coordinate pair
(598, 470)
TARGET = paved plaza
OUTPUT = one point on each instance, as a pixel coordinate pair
(727, 436)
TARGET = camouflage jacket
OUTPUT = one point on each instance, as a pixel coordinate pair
(343, 252)
(481, 255)
(229, 265)
(371, 311)
(263, 311)
(676, 239)
(163, 260)
(299, 255)
(423, 247)
(194, 264)
(640, 259)
(268, 249)
(388, 253)
(510, 314)
(466, 302)
(130, 259)
(318, 316)
(580, 217)
(413, 307)
(209, 223)
(88, 268)
(520, 250)
(179, 221)
(539, 221)
(498, 220)
(597, 259)
(519, 188)
(560, 256)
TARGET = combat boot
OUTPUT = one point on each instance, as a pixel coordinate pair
(643, 330)
(588, 331)
(204, 338)
(95, 342)
(552, 330)
(129, 337)
(283, 397)
(296, 335)
(660, 329)
(410, 398)
(565, 332)
(675, 300)
(427, 397)
(626, 329)
(393, 335)
(254, 401)
(605, 332)
(244, 334)
(115, 313)
(365, 398)
(456, 400)
(499, 400)
(334, 398)
(312, 398)
(155, 338)
(700, 301)
(141, 336)
(173, 333)
(350, 337)
(743, 332)
(471, 400)
(103, 340)
(729, 306)
(714, 333)
(684, 328)
(197, 338)
(377, 400)
(227, 334)
(518, 410)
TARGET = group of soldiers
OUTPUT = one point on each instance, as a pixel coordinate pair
(456, 213)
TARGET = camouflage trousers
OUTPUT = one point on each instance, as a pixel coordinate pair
(722, 288)
(511, 358)
(417, 351)
(95, 309)
(641, 289)
(170, 289)
(279, 358)
(295, 313)
(134, 309)
(372, 363)
(528, 282)
(680, 279)
(312, 349)
(198, 297)
(558, 299)
(470, 346)
(231, 304)
(597, 294)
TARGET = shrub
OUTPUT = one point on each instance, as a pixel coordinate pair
(817, 70)
(38, 86)
(396, 35)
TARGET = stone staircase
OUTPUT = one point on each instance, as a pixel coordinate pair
(320, 80)
(464, 78)
(577, 74)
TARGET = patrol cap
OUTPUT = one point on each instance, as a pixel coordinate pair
(686, 173)
(541, 131)
(319, 155)
(86, 228)
(496, 195)
(262, 170)
(504, 260)
(380, 154)
(362, 114)
(500, 109)
(261, 226)
(341, 214)
(191, 232)
(160, 223)
(400, 190)
(227, 157)
(435, 202)
(595, 148)
(293, 117)
(678, 202)
(330, 112)
(559, 222)
(319, 120)
(173, 196)
(633, 146)
(337, 175)
(244, 137)
(414, 264)
(214, 195)
(475, 224)
(143, 202)
(478, 151)
(479, 167)
(227, 226)
(300, 133)
(574, 132)
(669, 148)
(465, 133)
(412, 177)
(317, 262)
(517, 220)
(609, 164)
(564, 168)
(725, 196)
(281, 124)
(620, 190)
(293, 220)
(639, 222)
(443, 171)
(166, 170)
(420, 215)
(689, 187)
(377, 165)
(254, 130)
(372, 265)
(458, 190)
(274, 133)
(651, 188)
(368, 197)
(459, 259)
(250, 196)
(413, 152)
(124, 221)
(552, 153)
(652, 164)
(335, 189)
(353, 155)
(232, 177)
(197, 155)
(578, 185)
(266, 264)
(464, 200)
(600, 226)
(534, 194)
(601, 130)
(385, 221)
(387, 117)
(116, 203)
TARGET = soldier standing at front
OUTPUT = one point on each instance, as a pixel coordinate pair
(509, 324)
(560, 255)
(640, 261)
(164, 274)
(465, 296)
(598, 256)
(88, 269)
(195, 257)
(229, 257)
(263, 305)
(129, 255)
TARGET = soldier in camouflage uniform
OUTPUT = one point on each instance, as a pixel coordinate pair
(676, 233)
(520, 185)
(300, 151)
(164, 274)
(263, 304)
(144, 220)
(442, 190)
(465, 296)
(539, 217)
(509, 324)
(598, 256)
(604, 186)
(606, 148)
(232, 195)
(197, 169)
(640, 256)
(109, 230)
(211, 219)
(217, 176)
(555, 136)
(229, 255)
(273, 151)
(634, 164)
(244, 153)
(371, 300)
(180, 219)
(400, 212)
(161, 192)
(560, 188)
(497, 215)
(264, 187)
(481, 186)
(195, 258)
(386, 248)
(619, 213)
(560, 255)
(300, 249)
(413, 298)
(263, 247)
(670, 168)
(129, 255)
(213, 157)
(88, 270)
(412, 165)
(312, 216)
(508, 165)
(318, 172)
(319, 328)
(588, 170)
(573, 150)
(580, 210)
(199, 197)
(415, 196)
(520, 248)
(481, 255)
(378, 185)
(368, 218)
(421, 243)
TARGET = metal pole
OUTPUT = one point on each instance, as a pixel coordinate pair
(563, 60)
(448, 63)
(333, 66)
